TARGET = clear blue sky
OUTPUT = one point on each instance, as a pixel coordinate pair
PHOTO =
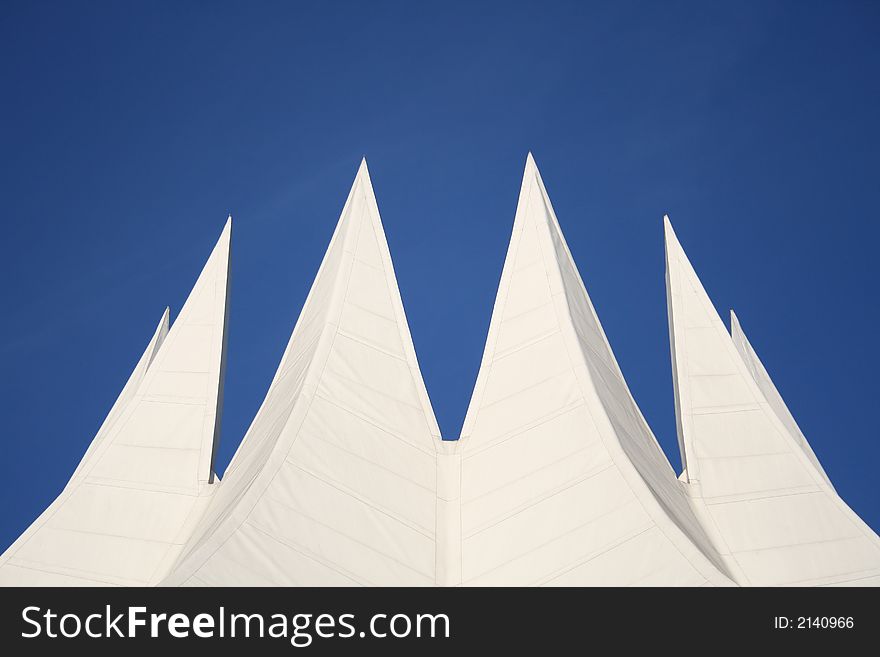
(128, 130)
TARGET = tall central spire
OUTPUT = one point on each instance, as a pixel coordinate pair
(562, 481)
(334, 482)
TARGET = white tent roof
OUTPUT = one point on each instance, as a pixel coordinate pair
(342, 478)
(127, 510)
(771, 394)
(334, 482)
(767, 505)
(562, 481)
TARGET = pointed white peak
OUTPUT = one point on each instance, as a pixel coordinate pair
(142, 485)
(188, 367)
(129, 390)
(674, 251)
(676, 260)
(771, 511)
(164, 324)
(710, 377)
(559, 466)
(356, 291)
(335, 480)
(13, 571)
(768, 388)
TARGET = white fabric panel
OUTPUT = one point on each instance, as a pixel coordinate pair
(144, 480)
(752, 476)
(128, 391)
(335, 481)
(342, 478)
(562, 481)
(15, 575)
(771, 394)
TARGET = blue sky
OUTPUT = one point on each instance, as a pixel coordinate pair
(130, 129)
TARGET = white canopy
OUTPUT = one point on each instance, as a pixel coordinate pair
(334, 482)
(562, 481)
(765, 500)
(771, 394)
(342, 478)
(145, 479)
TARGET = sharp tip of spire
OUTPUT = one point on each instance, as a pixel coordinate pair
(363, 170)
(223, 242)
(227, 228)
(670, 241)
(668, 231)
(735, 329)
